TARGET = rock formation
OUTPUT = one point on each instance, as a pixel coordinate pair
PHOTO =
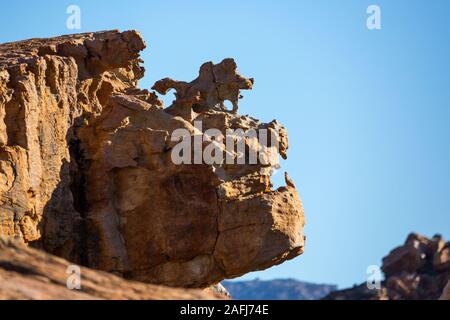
(417, 270)
(214, 85)
(30, 274)
(86, 168)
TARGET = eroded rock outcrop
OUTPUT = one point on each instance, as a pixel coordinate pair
(417, 270)
(214, 85)
(87, 170)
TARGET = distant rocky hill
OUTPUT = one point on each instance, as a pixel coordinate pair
(280, 289)
(417, 270)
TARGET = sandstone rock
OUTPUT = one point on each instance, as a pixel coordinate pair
(86, 166)
(29, 274)
(207, 222)
(418, 270)
(214, 85)
(45, 85)
(416, 254)
(406, 258)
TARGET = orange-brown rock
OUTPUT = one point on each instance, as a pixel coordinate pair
(30, 274)
(86, 168)
(46, 86)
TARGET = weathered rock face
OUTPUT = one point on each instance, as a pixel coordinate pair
(45, 86)
(30, 274)
(87, 166)
(358, 292)
(417, 270)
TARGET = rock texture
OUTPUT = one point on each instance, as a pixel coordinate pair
(30, 274)
(46, 88)
(86, 171)
(417, 270)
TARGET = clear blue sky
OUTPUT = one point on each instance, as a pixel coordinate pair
(367, 111)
